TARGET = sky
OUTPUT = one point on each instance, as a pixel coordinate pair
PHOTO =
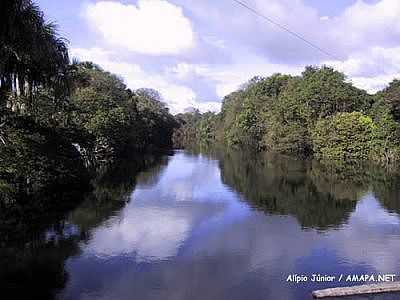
(195, 52)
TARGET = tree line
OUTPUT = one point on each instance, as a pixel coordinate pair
(320, 114)
(59, 118)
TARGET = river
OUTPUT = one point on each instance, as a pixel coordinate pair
(214, 226)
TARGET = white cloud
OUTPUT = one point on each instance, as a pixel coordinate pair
(214, 41)
(372, 61)
(228, 78)
(373, 84)
(151, 233)
(360, 26)
(241, 46)
(154, 27)
(363, 25)
(368, 228)
(183, 70)
(177, 97)
(371, 69)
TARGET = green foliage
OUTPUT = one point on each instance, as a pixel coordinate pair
(36, 163)
(32, 54)
(244, 113)
(195, 128)
(324, 92)
(259, 87)
(318, 113)
(287, 130)
(291, 137)
(185, 134)
(117, 118)
(387, 143)
(349, 136)
(54, 114)
(278, 113)
(207, 128)
(155, 122)
(57, 118)
(345, 136)
(391, 97)
(248, 126)
(318, 93)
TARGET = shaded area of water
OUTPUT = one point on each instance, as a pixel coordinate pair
(215, 226)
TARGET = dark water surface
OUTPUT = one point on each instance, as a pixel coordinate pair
(217, 226)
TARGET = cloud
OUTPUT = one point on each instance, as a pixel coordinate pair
(230, 78)
(151, 228)
(231, 45)
(371, 69)
(227, 78)
(239, 28)
(241, 247)
(374, 61)
(366, 25)
(153, 27)
(373, 84)
(150, 233)
(369, 227)
(177, 97)
(358, 27)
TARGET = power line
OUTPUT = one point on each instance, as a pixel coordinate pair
(286, 29)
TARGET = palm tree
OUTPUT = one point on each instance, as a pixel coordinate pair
(32, 55)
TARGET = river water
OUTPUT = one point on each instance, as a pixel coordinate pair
(215, 226)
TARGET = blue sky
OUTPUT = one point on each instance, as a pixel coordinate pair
(195, 52)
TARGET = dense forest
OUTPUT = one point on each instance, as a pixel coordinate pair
(62, 119)
(319, 114)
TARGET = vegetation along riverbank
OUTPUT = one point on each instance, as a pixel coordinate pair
(61, 119)
(319, 113)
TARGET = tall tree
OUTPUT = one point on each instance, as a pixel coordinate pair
(31, 52)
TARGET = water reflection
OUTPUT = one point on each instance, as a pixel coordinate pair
(218, 226)
(33, 253)
(289, 186)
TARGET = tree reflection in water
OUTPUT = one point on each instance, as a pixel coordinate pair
(33, 255)
(320, 196)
